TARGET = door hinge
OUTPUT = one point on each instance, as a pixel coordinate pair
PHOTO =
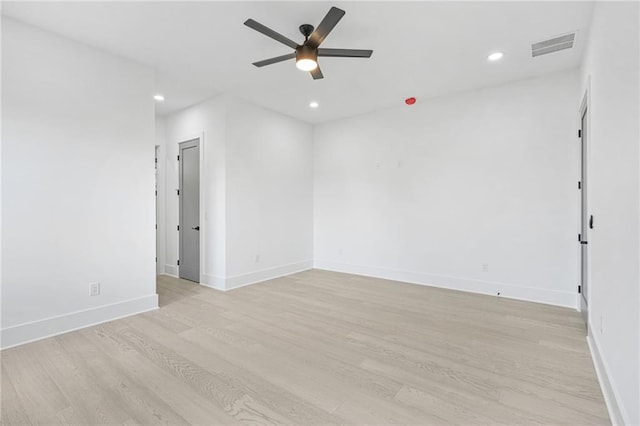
(579, 185)
(156, 161)
(579, 237)
(156, 260)
(156, 226)
(178, 227)
(178, 191)
(178, 158)
(579, 133)
(178, 262)
(579, 289)
(156, 193)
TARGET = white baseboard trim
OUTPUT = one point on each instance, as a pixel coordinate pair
(213, 281)
(510, 291)
(171, 270)
(616, 411)
(49, 327)
(169, 275)
(266, 274)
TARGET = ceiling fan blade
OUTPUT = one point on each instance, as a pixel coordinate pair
(316, 73)
(274, 60)
(345, 53)
(270, 33)
(330, 20)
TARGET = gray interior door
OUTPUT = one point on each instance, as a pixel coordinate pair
(584, 222)
(189, 230)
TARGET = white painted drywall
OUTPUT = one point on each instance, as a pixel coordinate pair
(161, 195)
(1, 174)
(77, 184)
(208, 122)
(432, 192)
(612, 70)
(269, 194)
(258, 191)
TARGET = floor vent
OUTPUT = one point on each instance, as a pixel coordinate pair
(554, 44)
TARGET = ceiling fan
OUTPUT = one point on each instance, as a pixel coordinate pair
(307, 53)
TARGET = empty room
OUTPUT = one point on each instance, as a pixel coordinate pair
(320, 213)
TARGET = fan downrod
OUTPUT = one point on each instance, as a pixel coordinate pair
(306, 30)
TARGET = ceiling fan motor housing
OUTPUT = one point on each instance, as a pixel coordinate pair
(306, 52)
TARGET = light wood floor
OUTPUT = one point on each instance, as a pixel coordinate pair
(313, 348)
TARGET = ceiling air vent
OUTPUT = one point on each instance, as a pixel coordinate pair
(553, 44)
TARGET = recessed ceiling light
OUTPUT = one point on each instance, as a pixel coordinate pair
(495, 56)
(314, 104)
(159, 98)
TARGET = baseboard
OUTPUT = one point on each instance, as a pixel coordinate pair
(616, 411)
(49, 327)
(169, 275)
(510, 291)
(213, 281)
(171, 270)
(266, 274)
(207, 280)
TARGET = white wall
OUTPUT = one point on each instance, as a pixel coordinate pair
(77, 176)
(257, 180)
(430, 193)
(161, 196)
(269, 196)
(611, 69)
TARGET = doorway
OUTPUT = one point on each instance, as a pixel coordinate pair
(586, 221)
(189, 210)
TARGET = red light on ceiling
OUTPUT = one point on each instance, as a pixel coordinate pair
(410, 101)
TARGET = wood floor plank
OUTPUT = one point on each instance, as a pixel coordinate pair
(116, 383)
(39, 394)
(186, 401)
(77, 383)
(282, 384)
(213, 378)
(317, 347)
(12, 410)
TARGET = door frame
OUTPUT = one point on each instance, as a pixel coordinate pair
(201, 214)
(585, 110)
(159, 265)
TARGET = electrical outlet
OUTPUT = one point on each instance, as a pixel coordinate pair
(257, 258)
(95, 289)
(485, 267)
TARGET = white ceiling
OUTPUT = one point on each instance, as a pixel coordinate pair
(421, 49)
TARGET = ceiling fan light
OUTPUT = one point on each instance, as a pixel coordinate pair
(306, 64)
